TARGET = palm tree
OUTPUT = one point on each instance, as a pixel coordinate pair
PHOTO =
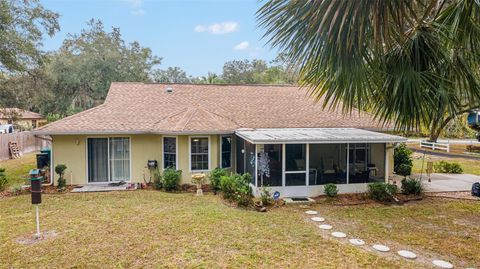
(413, 62)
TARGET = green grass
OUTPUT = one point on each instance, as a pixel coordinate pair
(447, 229)
(17, 169)
(155, 229)
(469, 166)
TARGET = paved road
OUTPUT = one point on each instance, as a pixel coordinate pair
(449, 182)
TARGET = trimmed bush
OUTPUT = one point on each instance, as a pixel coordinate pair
(402, 160)
(382, 192)
(236, 188)
(60, 170)
(171, 179)
(3, 179)
(446, 167)
(157, 179)
(266, 196)
(331, 190)
(215, 177)
(412, 186)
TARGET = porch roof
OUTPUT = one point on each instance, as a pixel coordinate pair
(316, 135)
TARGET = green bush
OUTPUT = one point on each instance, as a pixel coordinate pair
(3, 179)
(446, 167)
(331, 190)
(236, 188)
(382, 192)
(266, 196)
(157, 179)
(215, 177)
(402, 160)
(60, 170)
(171, 179)
(412, 186)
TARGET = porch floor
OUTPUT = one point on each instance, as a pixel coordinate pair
(103, 188)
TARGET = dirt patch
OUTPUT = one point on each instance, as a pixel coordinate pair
(31, 239)
(361, 199)
(462, 195)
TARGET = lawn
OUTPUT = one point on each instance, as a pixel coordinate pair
(469, 166)
(140, 229)
(17, 169)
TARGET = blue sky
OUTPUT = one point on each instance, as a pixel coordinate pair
(196, 35)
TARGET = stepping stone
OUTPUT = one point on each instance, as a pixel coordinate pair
(311, 212)
(318, 219)
(381, 248)
(325, 227)
(407, 254)
(339, 235)
(357, 242)
(442, 264)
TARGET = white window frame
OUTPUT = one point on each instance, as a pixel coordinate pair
(231, 151)
(108, 163)
(176, 150)
(190, 153)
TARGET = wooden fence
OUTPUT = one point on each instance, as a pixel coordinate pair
(27, 142)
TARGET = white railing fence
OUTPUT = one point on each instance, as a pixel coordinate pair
(435, 146)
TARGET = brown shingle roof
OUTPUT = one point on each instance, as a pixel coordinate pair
(190, 108)
(6, 113)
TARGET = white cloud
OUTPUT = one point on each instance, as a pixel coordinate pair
(241, 46)
(136, 6)
(217, 28)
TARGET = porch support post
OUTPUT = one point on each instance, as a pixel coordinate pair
(386, 162)
(283, 164)
(307, 164)
(256, 165)
(348, 165)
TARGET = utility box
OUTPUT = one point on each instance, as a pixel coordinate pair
(152, 164)
(36, 186)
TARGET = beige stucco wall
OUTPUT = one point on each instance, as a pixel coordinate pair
(71, 151)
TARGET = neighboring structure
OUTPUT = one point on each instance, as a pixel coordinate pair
(21, 119)
(196, 128)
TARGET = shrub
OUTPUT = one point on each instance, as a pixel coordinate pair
(412, 186)
(331, 190)
(171, 179)
(382, 192)
(446, 167)
(215, 177)
(157, 179)
(402, 160)
(60, 170)
(3, 179)
(236, 188)
(266, 196)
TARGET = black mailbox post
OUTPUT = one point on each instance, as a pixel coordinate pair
(36, 186)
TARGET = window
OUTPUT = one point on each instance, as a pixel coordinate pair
(34, 124)
(170, 152)
(226, 151)
(199, 154)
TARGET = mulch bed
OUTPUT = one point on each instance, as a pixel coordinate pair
(45, 190)
(361, 199)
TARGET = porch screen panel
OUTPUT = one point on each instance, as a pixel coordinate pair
(274, 153)
(328, 164)
(226, 151)
(295, 165)
(376, 164)
(97, 159)
(358, 160)
(250, 160)
(119, 158)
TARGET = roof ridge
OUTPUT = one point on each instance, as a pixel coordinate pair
(170, 116)
(221, 116)
(71, 116)
(210, 84)
(191, 116)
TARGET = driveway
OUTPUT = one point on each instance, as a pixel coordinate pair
(449, 182)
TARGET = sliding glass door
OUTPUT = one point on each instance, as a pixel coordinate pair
(108, 159)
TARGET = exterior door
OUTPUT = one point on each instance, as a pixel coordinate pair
(97, 160)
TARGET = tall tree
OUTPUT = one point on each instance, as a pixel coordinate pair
(172, 75)
(80, 72)
(22, 24)
(413, 62)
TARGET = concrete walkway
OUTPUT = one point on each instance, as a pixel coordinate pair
(449, 182)
(101, 188)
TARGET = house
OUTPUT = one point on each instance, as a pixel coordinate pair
(23, 119)
(299, 145)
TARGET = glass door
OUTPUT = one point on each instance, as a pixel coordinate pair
(295, 165)
(97, 160)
